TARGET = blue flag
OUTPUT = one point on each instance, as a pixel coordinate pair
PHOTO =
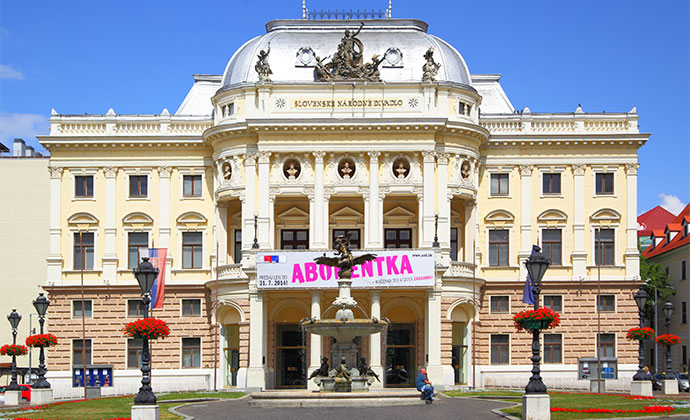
(528, 294)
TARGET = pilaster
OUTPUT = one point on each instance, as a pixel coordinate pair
(373, 238)
(428, 219)
(110, 255)
(315, 340)
(262, 202)
(54, 260)
(222, 232)
(632, 255)
(256, 372)
(525, 217)
(249, 204)
(164, 173)
(318, 233)
(442, 200)
(579, 252)
(375, 340)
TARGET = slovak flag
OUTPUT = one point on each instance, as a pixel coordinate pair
(157, 256)
(274, 258)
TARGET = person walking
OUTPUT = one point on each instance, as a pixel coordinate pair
(424, 386)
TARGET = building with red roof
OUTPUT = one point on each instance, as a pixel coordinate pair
(654, 219)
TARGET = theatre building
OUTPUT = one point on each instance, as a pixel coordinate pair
(319, 128)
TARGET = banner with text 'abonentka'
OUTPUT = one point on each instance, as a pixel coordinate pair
(297, 270)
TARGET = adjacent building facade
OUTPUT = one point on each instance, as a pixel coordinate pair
(401, 153)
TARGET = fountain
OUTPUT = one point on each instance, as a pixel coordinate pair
(344, 327)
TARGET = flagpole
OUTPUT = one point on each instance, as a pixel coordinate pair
(83, 311)
(215, 341)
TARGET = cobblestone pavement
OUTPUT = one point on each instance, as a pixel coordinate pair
(442, 408)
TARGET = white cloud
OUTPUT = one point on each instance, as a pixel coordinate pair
(671, 203)
(7, 72)
(23, 126)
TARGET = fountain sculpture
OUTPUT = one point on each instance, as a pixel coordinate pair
(344, 327)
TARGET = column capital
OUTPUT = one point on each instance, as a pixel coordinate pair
(55, 172)
(318, 156)
(164, 171)
(110, 171)
(443, 158)
(250, 159)
(374, 156)
(579, 169)
(631, 168)
(429, 156)
(264, 157)
(375, 294)
(526, 170)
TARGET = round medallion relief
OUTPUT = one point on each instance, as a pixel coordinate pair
(346, 168)
(401, 168)
(226, 171)
(291, 168)
(465, 169)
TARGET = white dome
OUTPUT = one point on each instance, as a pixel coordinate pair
(288, 37)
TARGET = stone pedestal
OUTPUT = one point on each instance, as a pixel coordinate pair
(377, 384)
(93, 392)
(41, 396)
(669, 387)
(13, 397)
(641, 388)
(145, 412)
(594, 386)
(535, 407)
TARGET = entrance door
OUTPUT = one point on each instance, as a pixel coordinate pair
(459, 355)
(231, 352)
(400, 356)
(290, 357)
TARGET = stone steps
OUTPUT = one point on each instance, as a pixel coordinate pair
(303, 398)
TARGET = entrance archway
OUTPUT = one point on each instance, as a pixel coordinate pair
(402, 343)
(290, 348)
(230, 318)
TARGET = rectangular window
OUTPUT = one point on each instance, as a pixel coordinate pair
(135, 308)
(554, 302)
(77, 347)
(83, 186)
(191, 307)
(398, 238)
(237, 252)
(498, 247)
(355, 238)
(500, 304)
(553, 348)
(136, 241)
(604, 247)
(294, 239)
(191, 249)
(684, 312)
(83, 250)
(683, 270)
(454, 244)
(499, 184)
(499, 349)
(607, 303)
(138, 186)
(604, 183)
(684, 356)
(134, 351)
(191, 352)
(551, 183)
(552, 245)
(77, 308)
(191, 185)
(607, 345)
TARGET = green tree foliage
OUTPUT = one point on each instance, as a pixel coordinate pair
(657, 281)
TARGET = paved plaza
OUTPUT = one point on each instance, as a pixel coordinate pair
(442, 408)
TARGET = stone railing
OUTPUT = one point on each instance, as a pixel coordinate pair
(528, 123)
(128, 125)
(231, 272)
(459, 269)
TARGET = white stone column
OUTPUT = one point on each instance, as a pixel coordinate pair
(315, 345)
(249, 203)
(272, 221)
(318, 232)
(632, 255)
(420, 219)
(327, 219)
(54, 260)
(109, 261)
(375, 340)
(525, 217)
(470, 223)
(164, 173)
(579, 252)
(443, 201)
(222, 233)
(256, 372)
(433, 338)
(262, 200)
(373, 238)
(428, 199)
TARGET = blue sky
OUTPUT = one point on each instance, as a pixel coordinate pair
(138, 57)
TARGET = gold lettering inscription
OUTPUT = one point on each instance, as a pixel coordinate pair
(347, 103)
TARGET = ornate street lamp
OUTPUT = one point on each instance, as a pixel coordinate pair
(668, 311)
(536, 265)
(436, 244)
(14, 319)
(641, 298)
(145, 274)
(41, 304)
(255, 245)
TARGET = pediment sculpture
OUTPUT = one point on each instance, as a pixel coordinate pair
(347, 62)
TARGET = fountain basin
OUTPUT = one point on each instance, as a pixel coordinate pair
(344, 330)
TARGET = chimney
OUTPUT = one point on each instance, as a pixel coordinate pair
(19, 148)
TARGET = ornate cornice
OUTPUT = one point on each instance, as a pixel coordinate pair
(55, 172)
(631, 168)
(579, 169)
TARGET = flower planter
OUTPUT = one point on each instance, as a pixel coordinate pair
(535, 324)
(150, 328)
(41, 340)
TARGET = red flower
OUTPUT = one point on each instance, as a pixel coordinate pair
(13, 350)
(151, 328)
(668, 339)
(640, 334)
(41, 340)
(541, 314)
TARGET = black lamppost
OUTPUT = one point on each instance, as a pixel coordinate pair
(641, 298)
(14, 319)
(436, 244)
(668, 311)
(145, 274)
(536, 265)
(41, 304)
(255, 245)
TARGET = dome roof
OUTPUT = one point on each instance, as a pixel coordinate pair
(295, 43)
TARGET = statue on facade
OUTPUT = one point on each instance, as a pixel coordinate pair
(321, 371)
(465, 170)
(263, 69)
(430, 68)
(348, 61)
(401, 170)
(344, 259)
(345, 171)
(227, 171)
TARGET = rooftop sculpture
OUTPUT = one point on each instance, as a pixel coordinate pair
(347, 62)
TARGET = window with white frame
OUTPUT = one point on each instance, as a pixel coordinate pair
(83, 250)
(499, 184)
(500, 349)
(554, 302)
(552, 245)
(192, 249)
(500, 304)
(191, 352)
(80, 346)
(607, 345)
(191, 185)
(498, 247)
(78, 308)
(136, 242)
(135, 349)
(604, 246)
(191, 307)
(551, 183)
(138, 186)
(607, 303)
(604, 183)
(135, 308)
(83, 186)
(553, 348)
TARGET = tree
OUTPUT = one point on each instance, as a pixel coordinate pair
(656, 284)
